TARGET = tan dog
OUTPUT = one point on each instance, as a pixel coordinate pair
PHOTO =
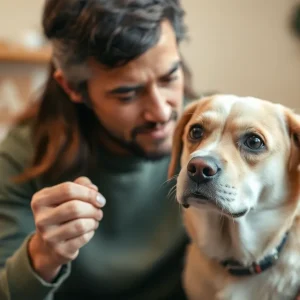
(240, 183)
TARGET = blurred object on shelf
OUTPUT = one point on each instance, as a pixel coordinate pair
(23, 71)
(32, 39)
(10, 52)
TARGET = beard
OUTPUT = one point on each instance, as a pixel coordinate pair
(133, 147)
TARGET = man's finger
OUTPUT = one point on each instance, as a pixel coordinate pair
(68, 211)
(86, 182)
(71, 191)
(83, 180)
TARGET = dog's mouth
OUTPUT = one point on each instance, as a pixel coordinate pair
(201, 199)
(239, 214)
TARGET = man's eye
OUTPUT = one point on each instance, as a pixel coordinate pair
(169, 79)
(126, 98)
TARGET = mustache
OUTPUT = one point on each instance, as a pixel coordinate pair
(152, 125)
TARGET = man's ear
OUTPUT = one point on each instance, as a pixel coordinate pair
(293, 124)
(61, 80)
(178, 136)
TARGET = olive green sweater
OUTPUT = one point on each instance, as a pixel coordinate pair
(136, 253)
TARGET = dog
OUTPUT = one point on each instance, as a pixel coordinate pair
(239, 186)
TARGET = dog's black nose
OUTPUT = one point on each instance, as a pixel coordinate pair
(203, 168)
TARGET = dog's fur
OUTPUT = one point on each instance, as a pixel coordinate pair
(265, 183)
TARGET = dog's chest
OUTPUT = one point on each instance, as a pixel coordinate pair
(280, 282)
(262, 288)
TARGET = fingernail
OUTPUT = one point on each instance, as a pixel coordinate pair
(100, 199)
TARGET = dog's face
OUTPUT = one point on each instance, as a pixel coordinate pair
(237, 155)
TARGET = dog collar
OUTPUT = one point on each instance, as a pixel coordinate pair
(237, 269)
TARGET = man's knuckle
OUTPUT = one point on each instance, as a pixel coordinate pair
(83, 179)
(73, 255)
(46, 237)
(35, 202)
(85, 238)
(80, 226)
(74, 209)
(68, 189)
(70, 250)
(96, 225)
(90, 194)
(99, 215)
(59, 251)
(40, 224)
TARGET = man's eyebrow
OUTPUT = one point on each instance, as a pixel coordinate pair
(125, 89)
(133, 88)
(172, 70)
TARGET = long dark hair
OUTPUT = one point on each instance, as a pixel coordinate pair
(111, 31)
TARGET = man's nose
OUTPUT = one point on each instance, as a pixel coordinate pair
(157, 110)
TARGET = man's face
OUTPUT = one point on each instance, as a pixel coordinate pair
(138, 104)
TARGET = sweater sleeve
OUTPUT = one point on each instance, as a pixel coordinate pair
(18, 280)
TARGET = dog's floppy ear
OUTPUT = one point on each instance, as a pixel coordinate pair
(177, 137)
(293, 123)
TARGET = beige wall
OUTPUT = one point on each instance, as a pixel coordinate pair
(244, 47)
(237, 46)
(18, 16)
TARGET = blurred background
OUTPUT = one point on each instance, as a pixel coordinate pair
(247, 47)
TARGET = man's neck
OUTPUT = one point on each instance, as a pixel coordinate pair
(113, 146)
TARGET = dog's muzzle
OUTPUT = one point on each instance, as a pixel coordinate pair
(201, 169)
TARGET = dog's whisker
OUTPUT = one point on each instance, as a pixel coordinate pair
(180, 209)
(221, 206)
(173, 188)
(232, 218)
(172, 197)
(169, 180)
(172, 193)
(222, 218)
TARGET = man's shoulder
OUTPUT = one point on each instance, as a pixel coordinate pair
(17, 144)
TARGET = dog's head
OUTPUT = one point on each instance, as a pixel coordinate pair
(237, 154)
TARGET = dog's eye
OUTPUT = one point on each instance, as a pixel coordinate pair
(254, 142)
(196, 132)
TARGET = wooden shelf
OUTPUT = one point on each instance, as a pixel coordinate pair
(13, 54)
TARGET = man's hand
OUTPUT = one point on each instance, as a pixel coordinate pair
(66, 217)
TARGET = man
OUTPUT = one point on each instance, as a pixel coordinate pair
(97, 145)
